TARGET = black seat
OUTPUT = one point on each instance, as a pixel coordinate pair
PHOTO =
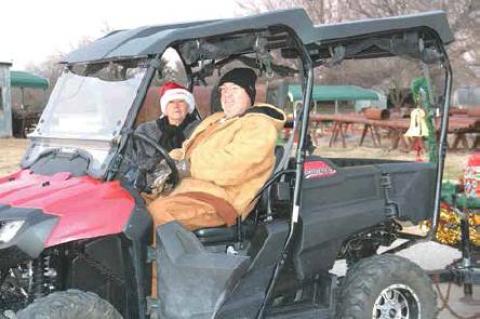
(221, 235)
(242, 229)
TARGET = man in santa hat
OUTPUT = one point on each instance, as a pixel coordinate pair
(175, 124)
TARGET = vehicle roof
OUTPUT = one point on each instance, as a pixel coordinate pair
(150, 40)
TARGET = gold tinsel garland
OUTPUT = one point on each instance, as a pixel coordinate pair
(449, 231)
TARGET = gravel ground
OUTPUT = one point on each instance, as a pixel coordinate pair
(454, 164)
(434, 256)
(431, 256)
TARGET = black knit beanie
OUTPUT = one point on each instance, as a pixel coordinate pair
(243, 77)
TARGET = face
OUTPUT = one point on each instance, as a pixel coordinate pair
(176, 111)
(234, 99)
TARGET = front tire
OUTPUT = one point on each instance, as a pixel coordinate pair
(386, 286)
(70, 304)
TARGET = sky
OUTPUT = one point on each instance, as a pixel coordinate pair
(32, 30)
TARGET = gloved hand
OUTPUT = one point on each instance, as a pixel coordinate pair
(183, 168)
(157, 179)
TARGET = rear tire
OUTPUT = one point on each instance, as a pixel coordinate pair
(386, 286)
(70, 304)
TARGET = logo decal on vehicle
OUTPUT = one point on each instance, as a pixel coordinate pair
(317, 169)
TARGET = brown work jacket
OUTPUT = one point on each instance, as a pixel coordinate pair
(232, 158)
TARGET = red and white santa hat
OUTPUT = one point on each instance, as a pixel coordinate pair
(173, 91)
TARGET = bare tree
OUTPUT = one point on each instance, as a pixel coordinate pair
(464, 19)
(463, 16)
(49, 68)
(320, 11)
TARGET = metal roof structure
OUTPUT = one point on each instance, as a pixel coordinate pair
(27, 80)
(333, 93)
(151, 40)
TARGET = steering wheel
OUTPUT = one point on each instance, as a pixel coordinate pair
(170, 162)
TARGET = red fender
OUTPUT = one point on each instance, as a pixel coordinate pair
(86, 207)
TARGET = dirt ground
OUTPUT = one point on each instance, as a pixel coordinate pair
(454, 165)
(12, 149)
(11, 152)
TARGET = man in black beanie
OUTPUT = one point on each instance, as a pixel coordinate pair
(237, 91)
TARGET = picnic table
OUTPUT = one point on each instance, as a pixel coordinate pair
(459, 126)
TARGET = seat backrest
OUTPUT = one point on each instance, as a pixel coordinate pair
(279, 152)
(150, 109)
(243, 229)
(264, 205)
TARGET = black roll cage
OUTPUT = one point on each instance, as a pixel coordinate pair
(407, 42)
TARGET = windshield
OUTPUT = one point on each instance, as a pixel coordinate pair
(91, 101)
(86, 112)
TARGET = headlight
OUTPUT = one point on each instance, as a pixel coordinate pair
(8, 229)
